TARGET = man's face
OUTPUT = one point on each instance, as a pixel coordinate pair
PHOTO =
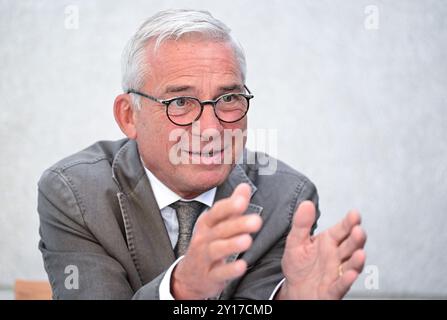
(196, 68)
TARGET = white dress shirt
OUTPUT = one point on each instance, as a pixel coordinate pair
(165, 197)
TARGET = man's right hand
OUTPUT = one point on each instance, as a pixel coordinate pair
(220, 232)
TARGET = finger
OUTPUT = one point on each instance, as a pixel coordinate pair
(250, 223)
(341, 230)
(356, 262)
(355, 241)
(221, 249)
(302, 222)
(234, 205)
(342, 285)
(228, 271)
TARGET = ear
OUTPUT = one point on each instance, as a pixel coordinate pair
(125, 115)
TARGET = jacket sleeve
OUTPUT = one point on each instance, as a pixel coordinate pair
(78, 266)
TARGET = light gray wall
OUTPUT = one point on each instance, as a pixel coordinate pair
(361, 111)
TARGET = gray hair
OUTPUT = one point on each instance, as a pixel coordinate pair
(170, 24)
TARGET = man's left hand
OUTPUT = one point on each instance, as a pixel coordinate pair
(323, 266)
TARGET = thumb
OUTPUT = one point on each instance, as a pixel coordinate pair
(302, 222)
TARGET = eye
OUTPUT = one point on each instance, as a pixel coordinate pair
(180, 102)
(228, 98)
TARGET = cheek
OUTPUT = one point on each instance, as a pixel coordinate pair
(153, 132)
(240, 125)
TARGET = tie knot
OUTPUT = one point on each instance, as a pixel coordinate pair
(187, 206)
(187, 214)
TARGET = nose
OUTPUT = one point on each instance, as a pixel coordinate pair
(208, 119)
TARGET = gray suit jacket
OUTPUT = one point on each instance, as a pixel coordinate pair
(103, 237)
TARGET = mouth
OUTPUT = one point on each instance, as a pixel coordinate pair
(211, 153)
(215, 157)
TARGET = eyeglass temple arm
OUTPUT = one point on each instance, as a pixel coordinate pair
(144, 95)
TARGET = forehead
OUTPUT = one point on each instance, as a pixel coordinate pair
(191, 60)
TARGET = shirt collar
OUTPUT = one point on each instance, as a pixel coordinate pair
(165, 196)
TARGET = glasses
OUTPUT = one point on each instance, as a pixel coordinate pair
(183, 111)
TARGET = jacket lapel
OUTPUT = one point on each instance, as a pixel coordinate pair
(146, 234)
(236, 177)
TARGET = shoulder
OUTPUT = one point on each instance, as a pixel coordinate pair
(82, 174)
(98, 155)
(263, 169)
(101, 151)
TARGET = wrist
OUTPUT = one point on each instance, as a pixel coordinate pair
(181, 290)
(282, 293)
(289, 292)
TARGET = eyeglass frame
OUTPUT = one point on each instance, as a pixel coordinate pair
(214, 102)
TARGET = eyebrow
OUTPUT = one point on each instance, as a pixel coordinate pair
(230, 88)
(176, 89)
(222, 89)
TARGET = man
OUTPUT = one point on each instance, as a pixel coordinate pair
(172, 212)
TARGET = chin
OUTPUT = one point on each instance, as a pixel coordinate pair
(205, 177)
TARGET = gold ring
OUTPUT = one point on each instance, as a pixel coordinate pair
(340, 270)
